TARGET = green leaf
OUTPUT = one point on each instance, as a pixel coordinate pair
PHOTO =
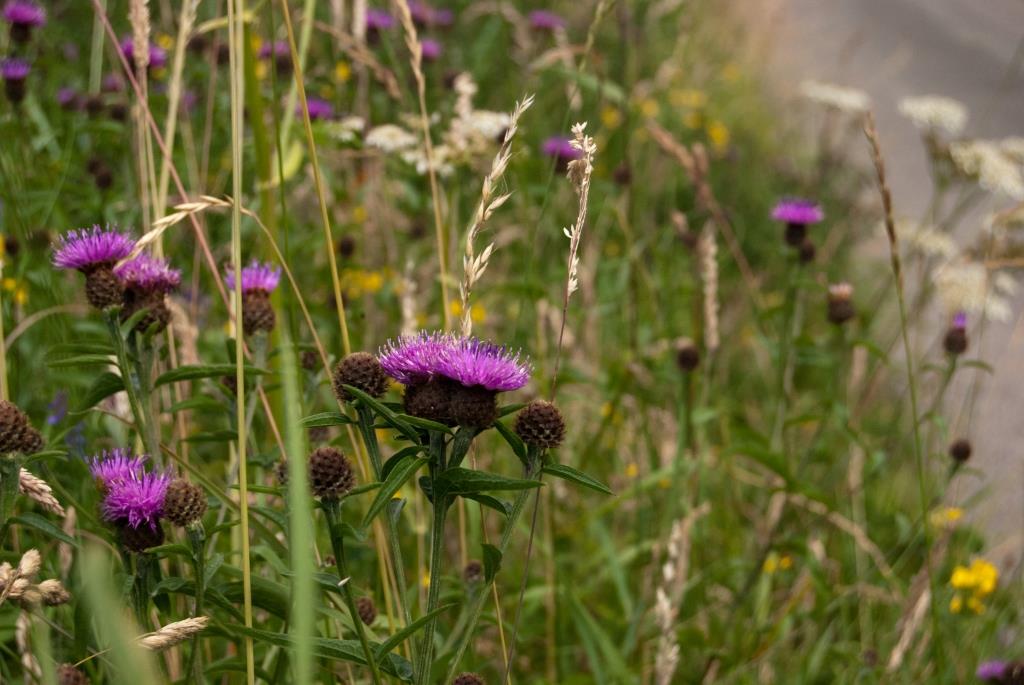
(570, 474)
(105, 385)
(327, 648)
(385, 413)
(460, 481)
(397, 477)
(34, 520)
(406, 632)
(195, 372)
(80, 360)
(213, 436)
(425, 424)
(327, 418)
(513, 440)
(398, 457)
(499, 505)
(200, 403)
(492, 562)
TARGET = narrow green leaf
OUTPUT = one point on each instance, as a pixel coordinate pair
(572, 475)
(460, 481)
(425, 424)
(385, 413)
(407, 632)
(327, 418)
(105, 385)
(397, 477)
(492, 562)
(513, 440)
(34, 520)
(196, 372)
(499, 505)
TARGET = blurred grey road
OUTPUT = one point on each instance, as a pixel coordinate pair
(963, 49)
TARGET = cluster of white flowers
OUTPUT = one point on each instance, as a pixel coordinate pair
(924, 239)
(935, 113)
(417, 157)
(968, 286)
(347, 129)
(390, 138)
(987, 161)
(849, 100)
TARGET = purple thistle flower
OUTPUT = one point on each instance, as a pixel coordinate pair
(378, 20)
(67, 98)
(413, 359)
(960, 320)
(14, 69)
(797, 211)
(138, 500)
(543, 20)
(992, 671)
(117, 465)
(157, 55)
(256, 276)
(276, 49)
(561, 148)
(148, 274)
(87, 248)
(425, 15)
(473, 362)
(24, 13)
(430, 49)
(112, 83)
(319, 110)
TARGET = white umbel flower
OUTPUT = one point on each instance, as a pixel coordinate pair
(935, 113)
(968, 287)
(924, 239)
(849, 100)
(988, 163)
(390, 138)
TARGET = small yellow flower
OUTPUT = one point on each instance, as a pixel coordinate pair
(693, 120)
(785, 562)
(664, 483)
(771, 564)
(425, 580)
(611, 117)
(649, 107)
(21, 296)
(718, 134)
(326, 91)
(359, 214)
(165, 41)
(607, 410)
(342, 72)
(372, 281)
(10, 284)
(261, 70)
(632, 470)
(975, 605)
(946, 517)
(962, 578)
(690, 98)
(956, 604)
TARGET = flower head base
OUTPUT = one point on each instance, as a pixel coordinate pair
(413, 359)
(543, 20)
(319, 110)
(256, 277)
(137, 501)
(146, 274)
(955, 342)
(472, 362)
(88, 249)
(797, 211)
(116, 466)
(157, 57)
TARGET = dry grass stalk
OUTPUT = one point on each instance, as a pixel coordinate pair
(38, 490)
(707, 250)
(883, 187)
(181, 212)
(474, 265)
(22, 631)
(138, 17)
(66, 552)
(408, 300)
(16, 583)
(674, 573)
(919, 599)
(173, 633)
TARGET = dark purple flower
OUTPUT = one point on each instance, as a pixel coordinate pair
(14, 69)
(960, 320)
(425, 15)
(67, 98)
(431, 49)
(992, 671)
(276, 49)
(413, 359)
(148, 274)
(473, 362)
(112, 83)
(157, 55)
(117, 465)
(90, 247)
(797, 211)
(256, 276)
(378, 20)
(24, 13)
(319, 110)
(138, 501)
(543, 20)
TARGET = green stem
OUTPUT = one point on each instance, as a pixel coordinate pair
(440, 512)
(140, 588)
(197, 538)
(128, 375)
(331, 509)
(142, 359)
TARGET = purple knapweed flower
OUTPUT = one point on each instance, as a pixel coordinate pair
(148, 274)
(797, 211)
(275, 49)
(67, 98)
(425, 15)
(157, 55)
(112, 83)
(543, 20)
(430, 49)
(319, 110)
(255, 277)
(960, 320)
(378, 20)
(14, 69)
(117, 465)
(137, 501)
(561, 150)
(992, 671)
(87, 248)
(413, 359)
(473, 362)
(23, 16)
